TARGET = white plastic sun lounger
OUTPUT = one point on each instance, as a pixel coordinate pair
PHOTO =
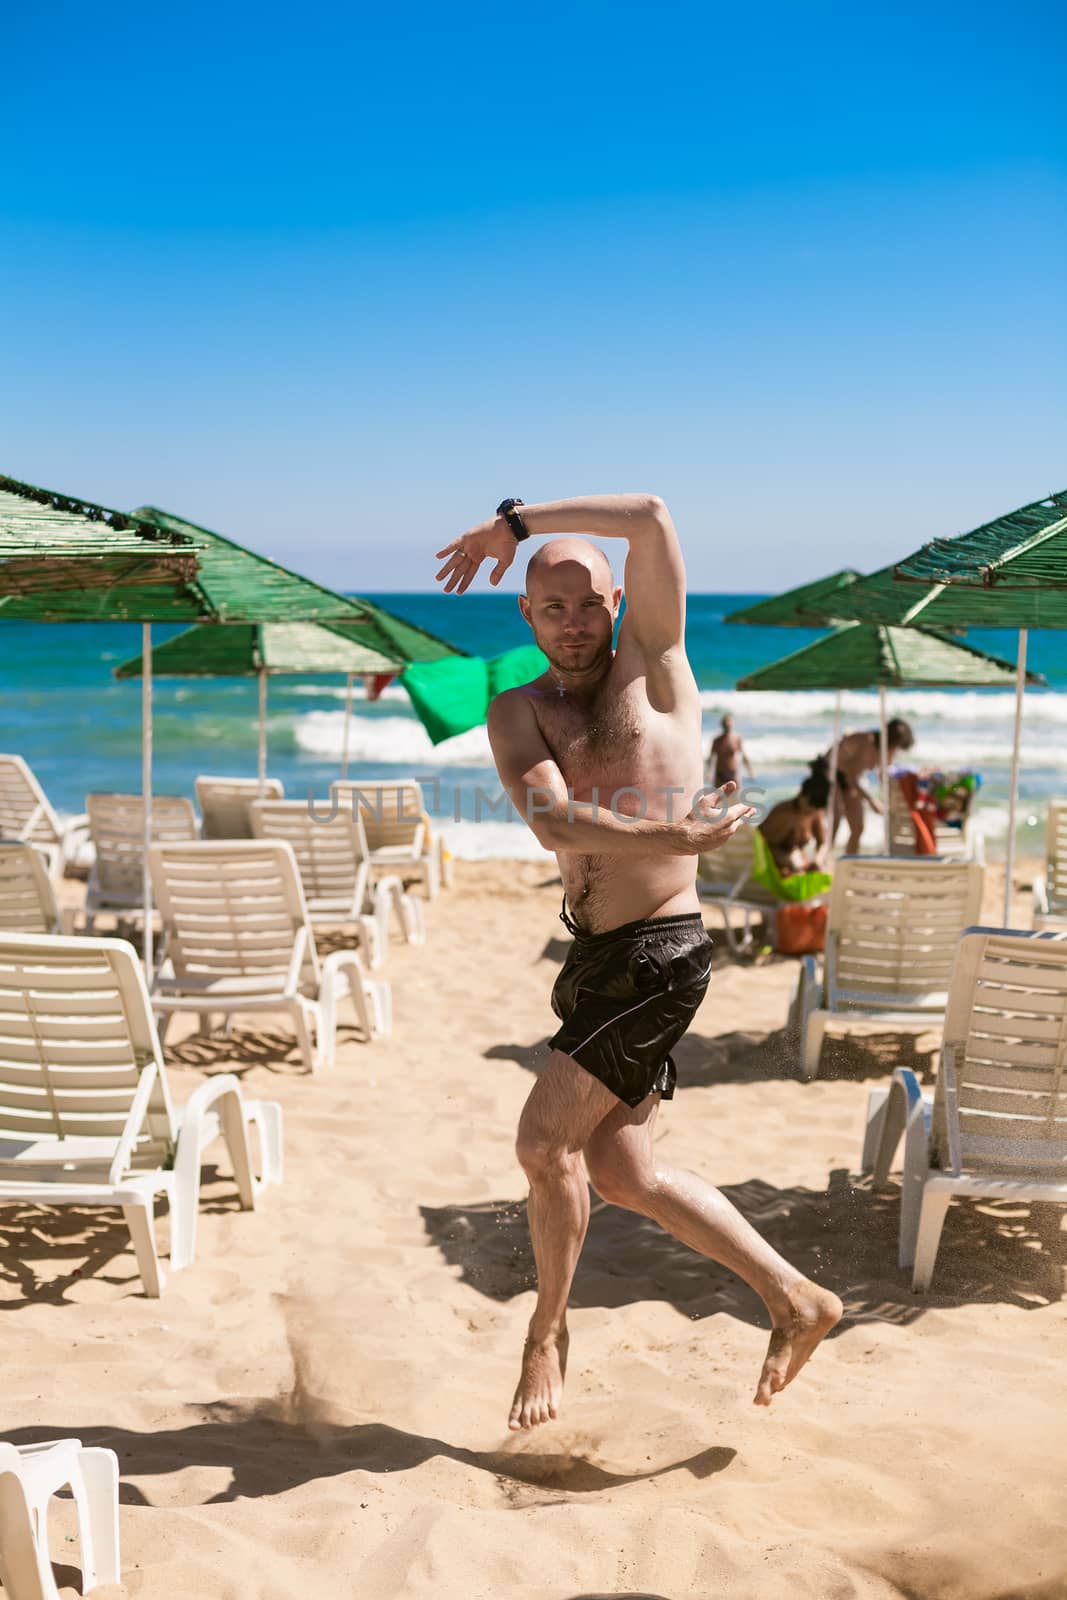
(890, 942)
(26, 814)
(1050, 887)
(86, 1117)
(29, 1476)
(334, 865)
(239, 939)
(224, 804)
(400, 836)
(996, 1124)
(116, 827)
(953, 844)
(27, 896)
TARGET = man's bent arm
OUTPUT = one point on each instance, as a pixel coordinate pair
(655, 573)
(538, 793)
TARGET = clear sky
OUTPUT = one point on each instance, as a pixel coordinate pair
(334, 279)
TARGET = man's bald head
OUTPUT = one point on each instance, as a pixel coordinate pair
(555, 554)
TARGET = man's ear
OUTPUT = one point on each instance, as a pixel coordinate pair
(616, 601)
(524, 607)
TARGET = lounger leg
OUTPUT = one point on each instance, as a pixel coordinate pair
(301, 1022)
(100, 1474)
(267, 1116)
(935, 1198)
(140, 1220)
(25, 1565)
(872, 1133)
(235, 1132)
(814, 1031)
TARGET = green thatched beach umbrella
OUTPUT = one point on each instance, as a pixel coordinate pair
(264, 650)
(872, 656)
(49, 541)
(810, 605)
(807, 606)
(1009, 573)
(231, 585)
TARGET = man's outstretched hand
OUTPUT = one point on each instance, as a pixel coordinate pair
(712, 821)
(466, 554)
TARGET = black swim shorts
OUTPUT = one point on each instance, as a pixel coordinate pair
(625, 998)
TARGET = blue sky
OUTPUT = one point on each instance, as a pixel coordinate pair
(333, 280)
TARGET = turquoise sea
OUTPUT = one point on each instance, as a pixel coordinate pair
(79, 729)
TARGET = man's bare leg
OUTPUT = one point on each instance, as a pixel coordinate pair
(565, 1105)
(622, 1168)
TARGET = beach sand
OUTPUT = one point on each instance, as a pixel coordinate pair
(317, 1407)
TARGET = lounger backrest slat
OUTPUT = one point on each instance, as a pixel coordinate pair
(230, 908)
(1056, 858)
(76, 1035)
(331, 853)
(24, 809)
(393, 814)
(1002, 1098)
(116, 826)
(894, 924)
(224, 804)
(27, 898)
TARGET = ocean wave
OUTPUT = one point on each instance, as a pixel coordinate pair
(390, 741)
(1040, 706)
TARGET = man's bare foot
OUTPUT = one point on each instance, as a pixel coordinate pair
(540, 1390)
(812, 1313)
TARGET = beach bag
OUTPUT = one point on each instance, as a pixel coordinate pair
(800, 930)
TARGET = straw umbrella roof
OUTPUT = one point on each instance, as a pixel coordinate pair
(803, 607)
(50, 541)
(1009, 573)
(232, 584)
(372, 626)
(244, 650)
(871, 656)
(1022, 550)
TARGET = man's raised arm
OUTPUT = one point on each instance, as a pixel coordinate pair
(655, 573)
(539, 794)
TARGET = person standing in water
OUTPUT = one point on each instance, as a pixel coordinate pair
(726, 756)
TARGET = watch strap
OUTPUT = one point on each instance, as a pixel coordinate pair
(508, 509)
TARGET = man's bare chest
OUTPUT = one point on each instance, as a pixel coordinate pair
(596, 738)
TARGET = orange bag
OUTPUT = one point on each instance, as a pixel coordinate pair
(800, 930)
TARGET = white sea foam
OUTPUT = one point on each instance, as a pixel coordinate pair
(487, 841)
(817, 705)
(390, 741)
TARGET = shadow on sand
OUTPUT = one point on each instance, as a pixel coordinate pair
(267, 1453)
(704, 1060)
(844, 1236)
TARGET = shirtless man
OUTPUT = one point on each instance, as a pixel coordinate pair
(858, 754)
(595, 754)
(726, 756)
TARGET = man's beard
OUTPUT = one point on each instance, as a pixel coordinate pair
(601, 655)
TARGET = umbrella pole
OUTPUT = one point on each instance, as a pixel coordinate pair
(348, 724)
(146, 788)
(832, 814)
(262, 731)
(884, 774)
(1013, 797)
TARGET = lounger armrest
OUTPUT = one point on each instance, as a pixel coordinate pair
(134, 1123)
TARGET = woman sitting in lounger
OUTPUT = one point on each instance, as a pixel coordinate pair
(793, 826)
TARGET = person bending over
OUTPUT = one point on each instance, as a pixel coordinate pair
(858, 754)
(601, 755)
(792, 827)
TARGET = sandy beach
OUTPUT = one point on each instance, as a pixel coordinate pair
(317, 1407)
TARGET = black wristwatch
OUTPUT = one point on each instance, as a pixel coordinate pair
(507, 510)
